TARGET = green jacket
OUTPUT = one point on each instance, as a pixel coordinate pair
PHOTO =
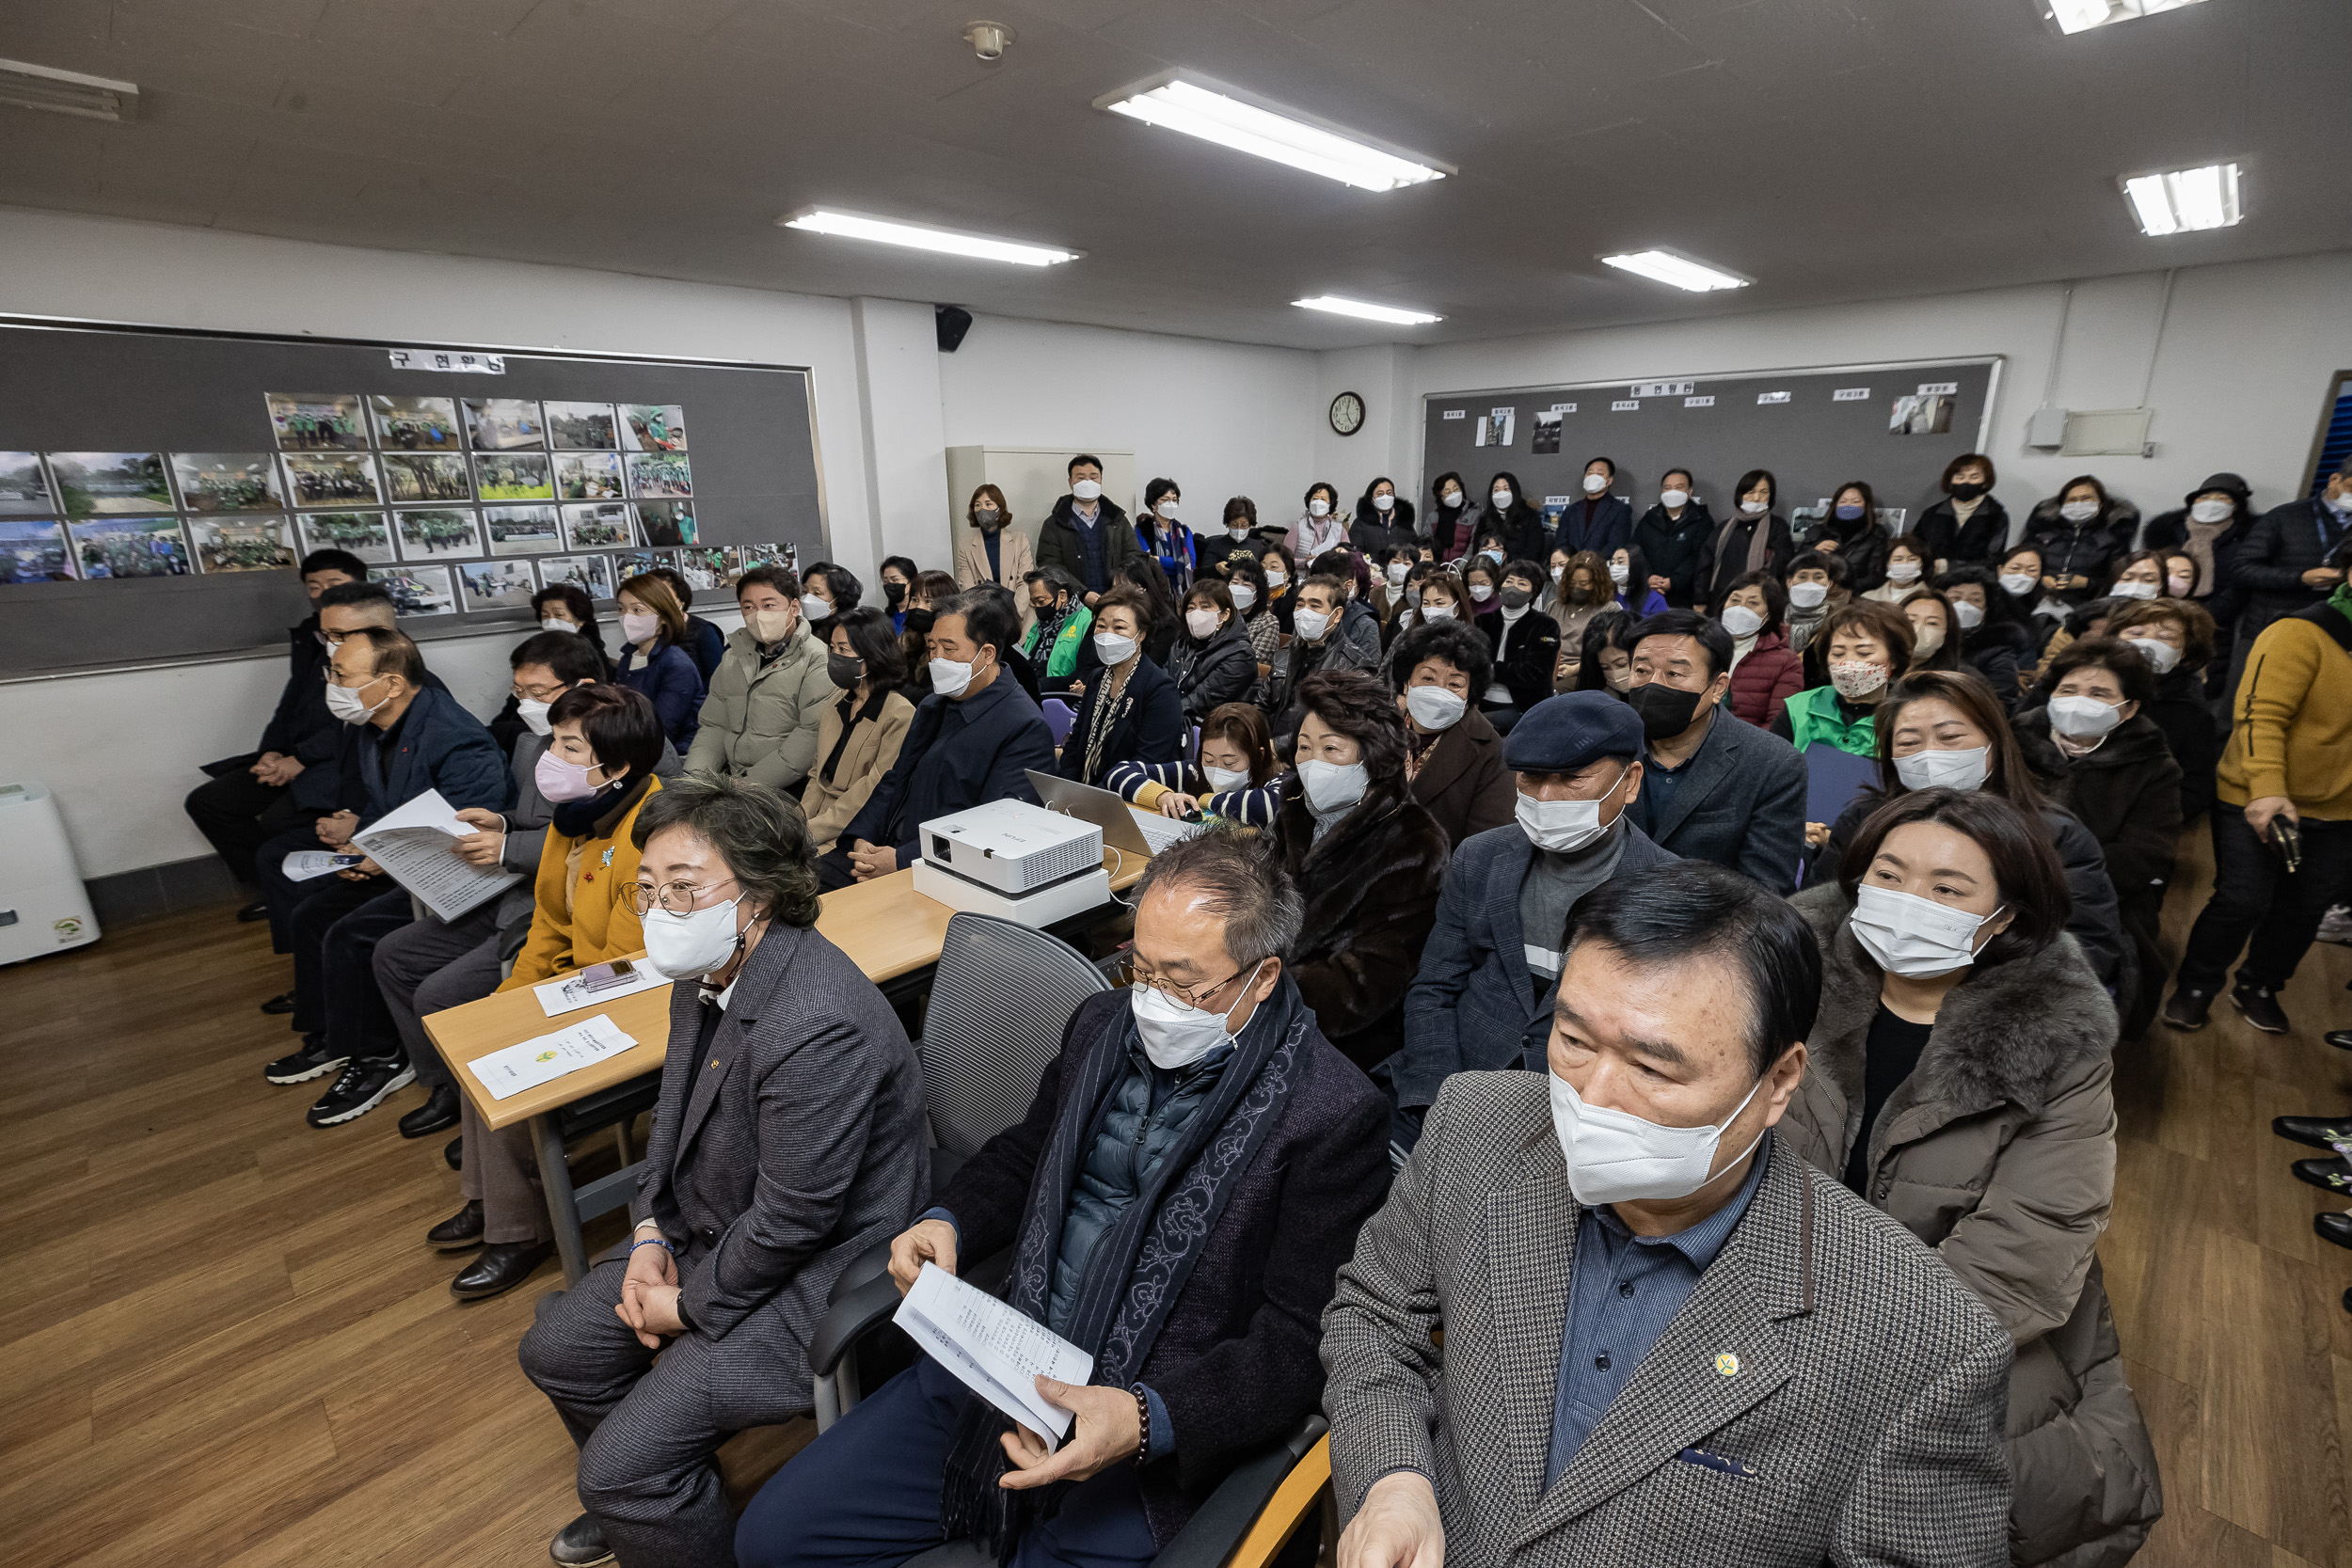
(1061, 662)
(759, 722)
(1814, 715)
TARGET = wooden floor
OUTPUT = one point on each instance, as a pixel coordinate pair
(223, 1341)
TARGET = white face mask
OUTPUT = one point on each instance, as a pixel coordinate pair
(2161, 656)
(2134, 590)
(1310, 624)
(1113, 649)
(534, 715)
(1595, 485)
(1223, 778)
(346, 702)
(1237, 531)
(1856, 679)
(1903, 571)
(639, 628)
(1433, 707)
(1384, 503)
(1087, 489)
(2211, 512)
(1617, 1156)
(1912, 936)
(2079, 512)
(1398, 571)
(1740, 621)
(1480, 593)
(1944, 770)
(1501, 498)
(1925, 640)
(687, 946)
(1673, 498)
(1967, 614)
(1168, 510)
(1562, 826)
(949, 678)
(2178, 587)
(816, 609)
(1201, 623)
(1174, 1036)
(2016, 584)
(1244, 595)
(2083, 718)
(1619, 572)
(557, 622)
(1755, 509)
(1807, 595)
(1437, 612)
(1333, 786)
(1276, 579)
(1318, 508)
(1452, 498)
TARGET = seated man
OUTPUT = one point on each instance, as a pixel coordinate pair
(1493, 959)
(1714, 788)
(788, 1138)
(973, 740)
(1193, 1169)
(1318, 641)
(1667, 1338)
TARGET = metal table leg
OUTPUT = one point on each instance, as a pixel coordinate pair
(555, 1179)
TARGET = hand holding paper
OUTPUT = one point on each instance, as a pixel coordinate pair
(1108, 1429)
(998, 1353)
(417, 842)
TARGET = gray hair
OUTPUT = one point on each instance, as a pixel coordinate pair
(760, 834)
(1261, 906)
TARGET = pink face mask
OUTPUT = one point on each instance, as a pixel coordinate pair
(560, 778)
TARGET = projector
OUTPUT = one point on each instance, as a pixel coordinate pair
(1013, 859)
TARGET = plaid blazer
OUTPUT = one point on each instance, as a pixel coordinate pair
(1828, 1392)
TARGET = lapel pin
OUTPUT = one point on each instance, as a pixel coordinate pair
(1728, 1364)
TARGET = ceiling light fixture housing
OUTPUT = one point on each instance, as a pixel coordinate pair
(2185, 200)
(1216, 112)
(1664, 266)
(2080, 16)
(67, 92)
(917, 236)
(1388, 313)
(989, 40)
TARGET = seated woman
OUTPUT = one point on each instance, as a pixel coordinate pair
(2176, 637)
(2087, 619)
(925, 593)
(704, 643)
(1234, 776)
(1058, 622)
(653, 660)
(1526, 644)
(1934, 644)
(1862, 648)
(1630, 578)
(1441, 598)
(1994, 639)
(1817, 585)
(1906, 571)
(859, 737)
(826, 591)
(1130, 713)
(1244, 579)
(596, 771)
(1958, 1076)
(564, 607)
(1368, 858)
(2020, 576)
(1281, 571)
(1211, 663)
(1164, 621)
(1580, 592)
(1764, 672)
(759, 721)
(1452, 755)
(1607, 661)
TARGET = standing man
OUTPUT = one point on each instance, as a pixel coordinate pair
(1595, 521)
(1673, 538)
(1667, 1340)
(1086, 535)
(2292, 558)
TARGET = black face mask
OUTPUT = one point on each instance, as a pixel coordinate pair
(1966, 492)
(844, 670)
(1516, 598)
(894, 591)
(1664, 710)
(919, 621)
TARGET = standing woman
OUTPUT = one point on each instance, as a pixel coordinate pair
(1520, 525)
(1764, 672)
(1967, 526)
(1165, 539)
(2079, 534)
(1130, 712)
(1851, 531)
(1221, 552)
(1451, 517)
(1630, 579)
(1961, 1079)
(992, 552)
(1752, 538)
(1384, 520)
(1213, 662)
(1320, 527)
(858, 740)
(653, 625)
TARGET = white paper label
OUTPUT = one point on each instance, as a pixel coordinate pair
(1851, 394)
(1454, 414)
(1624, 405)
(1664, 388)
(1564, 408)
(1771, 397)
(1698, 403)
(1935, 388)
(441, 359)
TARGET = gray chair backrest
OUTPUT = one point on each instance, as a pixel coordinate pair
(1001, 997)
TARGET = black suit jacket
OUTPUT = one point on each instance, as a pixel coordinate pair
(1739, 802)
(956, 755)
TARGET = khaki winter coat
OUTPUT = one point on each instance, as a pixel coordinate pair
(2000, 1152)
(872, 752)
(760, 723)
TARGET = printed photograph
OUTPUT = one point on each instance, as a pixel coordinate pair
(588, 476)
(434, 533)
(636, 564)
(110, 483)
(704, 569)
(597, 528)
(439, 476)
(336, 479)
(365, 535)
(581, 426)
(665, 522)
(658, 476)
(522, 530)
(496, 585)
(419, 591)
(316, 421)
(653, 426)
(521, 476)
(500, 424)
(227, 481)
(592, 572)
(787, 556)
(1544, 438)
(1806, 521)
(1930, 415)
(34, 550)
(242, 543)
(130, 547)
(24, 493)
(415, 424)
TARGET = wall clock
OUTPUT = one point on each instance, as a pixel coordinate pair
(1347, 413)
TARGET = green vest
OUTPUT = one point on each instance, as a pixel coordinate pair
(1061, 662)
(1813, 717)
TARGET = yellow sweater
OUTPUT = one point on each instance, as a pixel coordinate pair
(2291, 724)
(583, 916)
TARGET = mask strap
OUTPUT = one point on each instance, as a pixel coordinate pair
(1733, 1164)
(1254, 970)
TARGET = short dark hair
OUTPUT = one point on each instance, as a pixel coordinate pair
(783, 580)
(1776, 596)
(1693, 908)
(1359, 707)
(2130, 667)
(1057, 581)
(1828, 560)
(869, 633)
(1248, 889)
(395, 653)
(1339, 562)
(1458, 644)
(987, 620)
(760, 834)
(1966, 460)
(1883, 621)
(1611, 461)
(1677, 469)
(1329, 583)
(363, 591)
(846, 590)
(1212, 589)
(2197, 626)
(1529, 572)
(572, 597)
(1082, 457)
(570, 656)
(618, 722)
(2026, 868)
(1749, 481)
(1241, 506)
(907, 568)
(1245, 725)
(1129, 597)
(1690, 623)
(333, 561)
(683, 590)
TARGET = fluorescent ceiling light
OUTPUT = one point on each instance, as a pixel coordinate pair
(1663, 268)
(67, 92)
(2080, 16)
(2185, 200)
(1389, 313)
(1177, 104)
(824, 220)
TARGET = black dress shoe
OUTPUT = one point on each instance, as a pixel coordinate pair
(2318, 1131)
(2332, 1176)
(438, 1114)
(455, 1152)
(313, 1061)
(2340, 1039)
(459, 1231)
(2334, 1227)
(581, 1543)
(2260, 1005)
(252, 912)
(280, 1005)
(495, 1270)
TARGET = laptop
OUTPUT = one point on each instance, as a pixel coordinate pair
(1123, 826)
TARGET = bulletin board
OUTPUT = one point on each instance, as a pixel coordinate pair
(156, 484)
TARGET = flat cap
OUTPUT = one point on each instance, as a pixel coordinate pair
(1562, 734)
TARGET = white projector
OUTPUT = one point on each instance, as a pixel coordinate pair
(1013, 859)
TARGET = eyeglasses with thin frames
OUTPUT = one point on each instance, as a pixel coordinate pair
(673, 898)
(1195, 997)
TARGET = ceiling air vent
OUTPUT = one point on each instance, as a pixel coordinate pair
(67, 92)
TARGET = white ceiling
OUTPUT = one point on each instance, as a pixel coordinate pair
(1831, 149)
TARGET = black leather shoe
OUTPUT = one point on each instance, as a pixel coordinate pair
(455, 1152)
(2340, 1039)
(2331, 1176)
(2187, 1009)
(581, 1543)
(2260, 1005)
(438, 1114)
(2318, 1131)
(280, 1005)
(495, 1270)
(459, 1231)
(252, 912)
(2334, 1227)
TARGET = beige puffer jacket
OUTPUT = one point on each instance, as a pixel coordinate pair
(760, 723)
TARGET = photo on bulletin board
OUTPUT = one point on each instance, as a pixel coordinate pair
(415, 424)
(503, 424)
(34, 550)
(597, 528)
(496, 585)
(110, 484)
(636, 564)
(419, 591)
(436, 476)
(581, 426)
(23, 490)
(332, 479)
(704, 569)
(1544, 438)
(522, 530)
(130, 547)
(787, 556)
(653, 426)
(242, 543)
(665, 522)
(215, 482)
(658, 476)
(316, 421)
(514, 476)
(1930, 414)
(591, 573)
(588, 476)
(436, 533)
(365, 535)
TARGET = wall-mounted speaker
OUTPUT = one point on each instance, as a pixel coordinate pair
(953, 322)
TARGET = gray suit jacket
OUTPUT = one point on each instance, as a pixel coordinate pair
(1740, 804)
(1849, 1389)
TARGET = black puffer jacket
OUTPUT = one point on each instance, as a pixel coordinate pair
(1861, 544)
(1674, 547)
(1210, 674)
(2081, 550)
(1978, 540)
(1997, 650)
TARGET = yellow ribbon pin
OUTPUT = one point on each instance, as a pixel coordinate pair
(1728, 1364)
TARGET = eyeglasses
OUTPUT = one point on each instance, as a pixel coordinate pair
(673, 898)
(1195, 997)
(538, 693)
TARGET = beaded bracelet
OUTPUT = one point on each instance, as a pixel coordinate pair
(1143, 1427)
(652, 1240)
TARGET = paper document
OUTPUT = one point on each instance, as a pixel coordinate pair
(301, 866)
(997, 1351)
(416, 845)
(550, 1056)
(571, 994)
